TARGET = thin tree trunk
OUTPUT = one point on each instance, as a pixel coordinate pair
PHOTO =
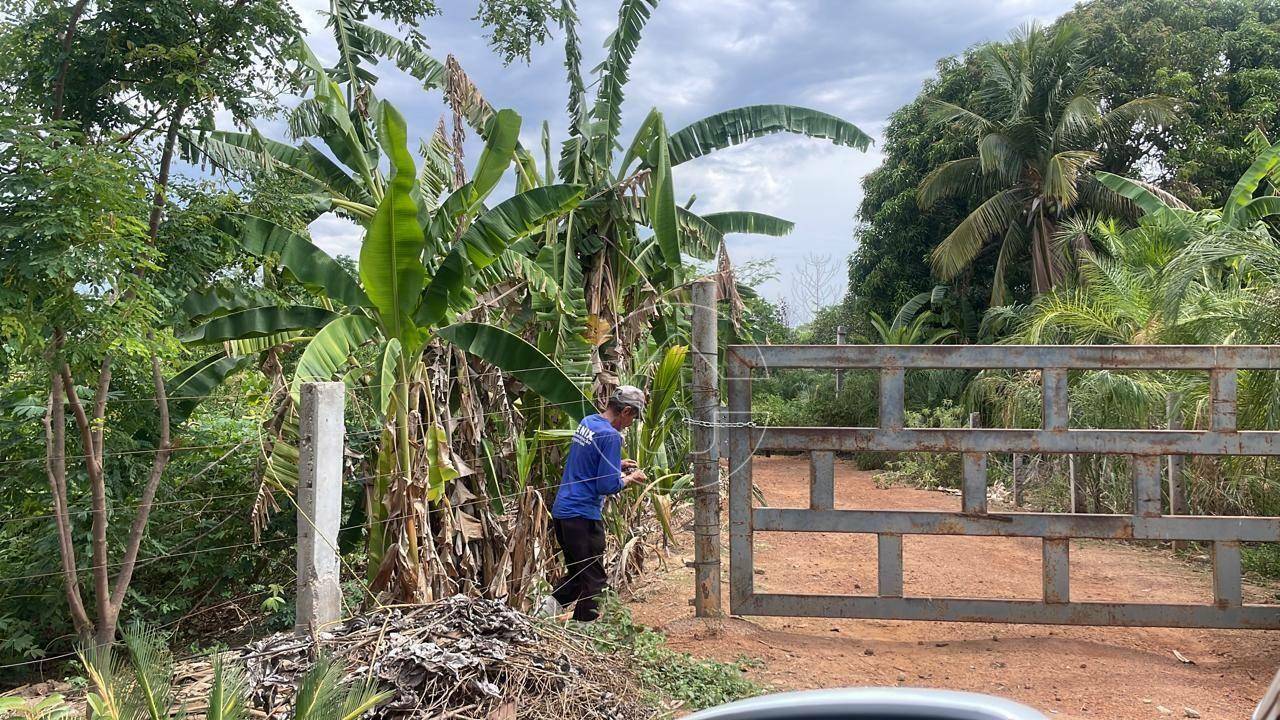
(55, 425)
(107, 625)
(162, 176)
(60, 81)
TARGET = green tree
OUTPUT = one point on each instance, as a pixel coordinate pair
(1219, 59)
(1039, 123)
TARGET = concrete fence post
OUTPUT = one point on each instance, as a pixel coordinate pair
(321, 434)
(705, 451)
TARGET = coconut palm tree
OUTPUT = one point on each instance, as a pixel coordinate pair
(1039, 123)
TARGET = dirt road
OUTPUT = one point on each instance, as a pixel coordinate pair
(1067, 672)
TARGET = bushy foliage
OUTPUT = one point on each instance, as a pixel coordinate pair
(928, 470)
(693, 682)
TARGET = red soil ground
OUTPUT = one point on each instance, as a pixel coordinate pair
(1066, 672)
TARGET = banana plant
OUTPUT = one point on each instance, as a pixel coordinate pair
(418, 265)
(599, 284)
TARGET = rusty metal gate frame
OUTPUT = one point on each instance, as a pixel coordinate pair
(1055, 529)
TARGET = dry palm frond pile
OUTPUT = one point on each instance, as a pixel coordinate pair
(459, 657)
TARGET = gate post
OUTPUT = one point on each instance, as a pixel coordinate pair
(705, 451)
(321, 432)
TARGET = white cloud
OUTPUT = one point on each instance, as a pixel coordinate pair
(335, 235)
(855, 59)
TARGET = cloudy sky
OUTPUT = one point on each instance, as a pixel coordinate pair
(859, 59)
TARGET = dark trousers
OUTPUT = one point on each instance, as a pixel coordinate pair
(582, 542)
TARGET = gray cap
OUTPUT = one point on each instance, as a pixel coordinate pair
(630, 396)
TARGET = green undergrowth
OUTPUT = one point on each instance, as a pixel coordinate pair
(694, 683)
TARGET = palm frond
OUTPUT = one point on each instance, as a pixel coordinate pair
(1061, 179)
(734, 127)
(227, 692)
(152, 670)
(988, 220)
(1000, 157)
(950, 179)
(942, 112)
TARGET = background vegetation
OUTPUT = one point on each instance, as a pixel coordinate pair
(1108, 179)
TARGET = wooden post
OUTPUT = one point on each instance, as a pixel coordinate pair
(706, 451)
(321, 434)
(840, 338)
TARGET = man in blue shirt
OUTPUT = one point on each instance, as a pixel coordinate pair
(595, 469)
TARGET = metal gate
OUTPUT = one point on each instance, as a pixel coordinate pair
(1055, 529)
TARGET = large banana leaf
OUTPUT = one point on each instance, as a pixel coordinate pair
(1136, 192)
(501, 138)
(326, 115)
(256, 322)
(523, 361)
(329, 350)
(661, 197)
(391, 254)
(194, 383)
(406, 57)
(732, 127)
(698, 238)
(1257, 209)
(254, 346)
(614, 73)
(641, 141)
(211, 302)
(742, 221)
(515, 218)
(447, 289)
(237, 151)
(1266, 164)
(387, 374)
(312, 267)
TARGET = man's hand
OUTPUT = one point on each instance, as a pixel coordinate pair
(635, 476)
(628, 465)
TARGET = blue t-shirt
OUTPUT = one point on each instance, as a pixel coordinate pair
(593, 470)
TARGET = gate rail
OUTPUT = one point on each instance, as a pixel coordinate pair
(1055, 529)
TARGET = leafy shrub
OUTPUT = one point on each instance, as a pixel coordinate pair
(695, 683)
(923, 469)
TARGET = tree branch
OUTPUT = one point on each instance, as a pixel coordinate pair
(100, 405)
(55, 457)
(60, 81)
